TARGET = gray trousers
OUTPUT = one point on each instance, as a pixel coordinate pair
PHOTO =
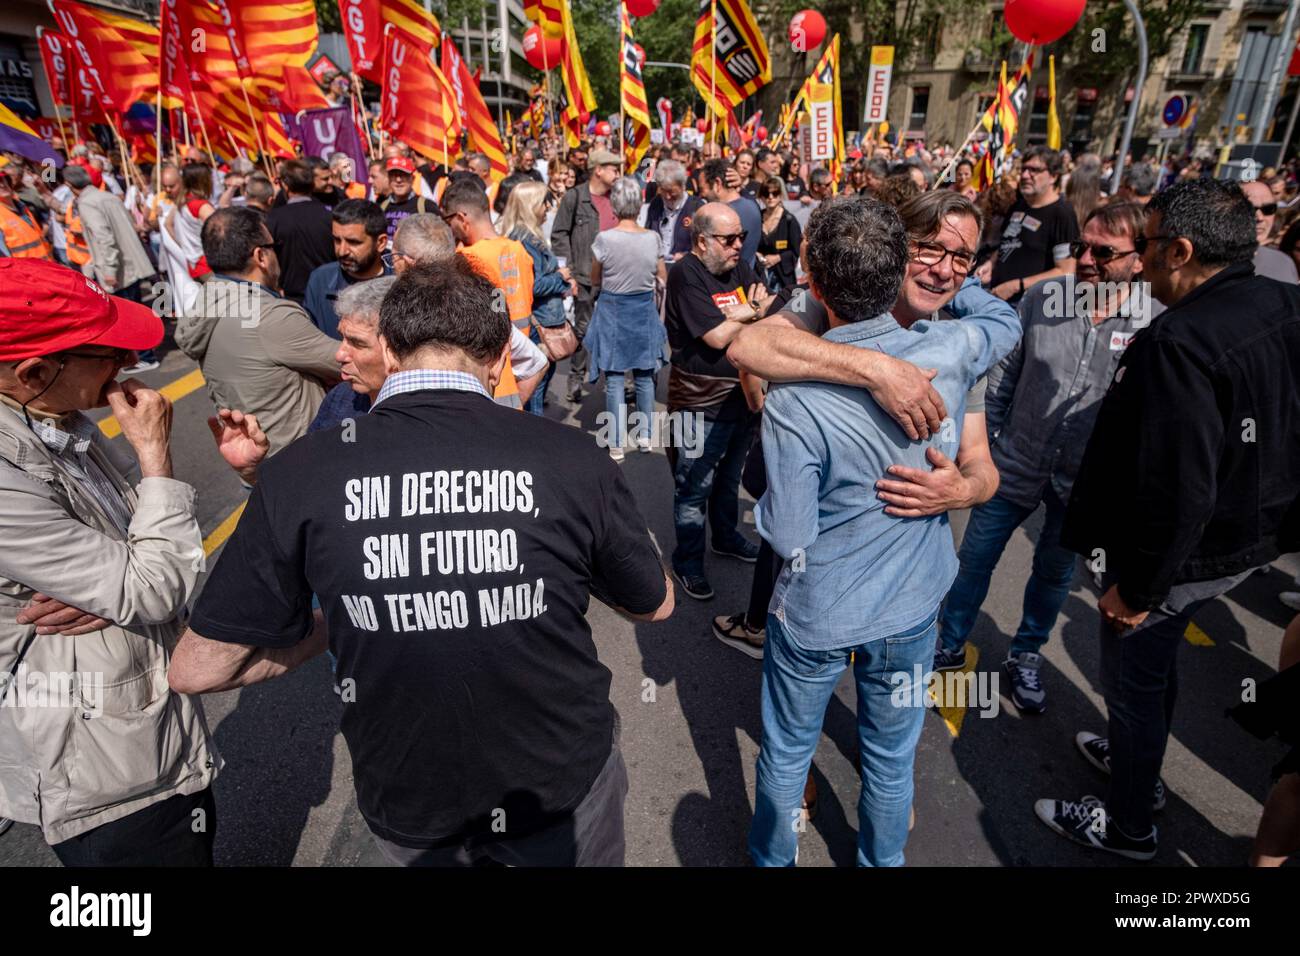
(583, 303)
(591, 836)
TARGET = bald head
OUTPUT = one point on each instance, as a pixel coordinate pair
(714, 220)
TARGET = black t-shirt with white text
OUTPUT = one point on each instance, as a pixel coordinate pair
(1033, 239)
(453, 544)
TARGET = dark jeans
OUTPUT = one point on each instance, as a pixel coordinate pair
(167, 833)
(1139, 679)
(710, 481)
(591, 836)
(537, 401)
(766, 570)
(583, 303)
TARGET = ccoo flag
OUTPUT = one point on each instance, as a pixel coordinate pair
(729, 58)
(636, 118)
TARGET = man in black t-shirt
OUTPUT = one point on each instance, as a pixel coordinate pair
(1038, 232)
(454, 545)
(404, 198)
(302, 230)
(711, 296)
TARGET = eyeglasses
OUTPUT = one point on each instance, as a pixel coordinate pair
(120, 356)
(732, 239)
(1033, 170)
(932, 253)
(1140, 243)
(1268, 209)
(1099, 253)
(270, 245)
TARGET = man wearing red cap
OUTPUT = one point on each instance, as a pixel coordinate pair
(94, 748)
(403, 201)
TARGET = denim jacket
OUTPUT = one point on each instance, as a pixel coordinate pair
(549, 287)
(852, 573)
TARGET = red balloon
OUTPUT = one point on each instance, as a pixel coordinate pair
(1042, 21)
(533, 49)
(602, 128)
(762, 133)
(701, 125)
(642, 8)
(807, 30)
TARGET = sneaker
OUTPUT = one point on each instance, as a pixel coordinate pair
(1291, 599)
(696, 585)
(946, 660)
(734, 632)
(616, 452)
(1096, 750)
(643, 445)
(145, 365)
(1087, 822)
(745, 550)
(1026, 691)
(576, 397)
(5, 824)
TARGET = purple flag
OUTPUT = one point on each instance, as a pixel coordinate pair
(328, 131)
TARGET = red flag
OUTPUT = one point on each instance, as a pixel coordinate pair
(173, 75)
(56, 57)
(483, 134)
(419, 104)
(120, 54)
(300, 91)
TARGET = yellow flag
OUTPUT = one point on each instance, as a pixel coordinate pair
(1053, 121)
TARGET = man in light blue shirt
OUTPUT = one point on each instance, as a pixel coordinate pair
(858, 585)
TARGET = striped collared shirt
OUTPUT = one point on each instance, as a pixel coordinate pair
(423, 379)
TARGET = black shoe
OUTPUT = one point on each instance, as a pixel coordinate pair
(575, 398)
(1027, 692)
(1087, 822)
(946, 660)
(1096, 750)
(745, 550)
(734, 632)
(696, 585)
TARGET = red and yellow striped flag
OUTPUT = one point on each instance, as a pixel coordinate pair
(580, 101)
(1000, 122)
(418, 102)
(483, 134)
(636, 115)
(363, 24)
(547, 14)
(120, 54)
(729, 58)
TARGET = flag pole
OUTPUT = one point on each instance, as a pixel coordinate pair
(157, 138)
(622, 65)
(257, 130)
(713, 64)
(203, 126)
(360, 106)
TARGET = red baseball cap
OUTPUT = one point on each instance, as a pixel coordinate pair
(47, 308)
(401, 164)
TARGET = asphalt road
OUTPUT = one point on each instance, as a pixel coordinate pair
(690, 721)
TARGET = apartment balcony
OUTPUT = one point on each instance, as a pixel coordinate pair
(1262, 7)
(977, 61)
(1183, 77)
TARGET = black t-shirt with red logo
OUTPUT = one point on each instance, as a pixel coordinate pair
(693, 307)
(453, 545)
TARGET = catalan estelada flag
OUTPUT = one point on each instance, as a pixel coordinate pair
(418, 102)
(483, 134)
(1000, 122)
(17, 137)
(636, 115)
(729, 58)
(120, 54)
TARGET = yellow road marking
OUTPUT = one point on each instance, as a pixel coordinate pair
(222, 531)
(954, 714)
(1196, 636)
(173, 390)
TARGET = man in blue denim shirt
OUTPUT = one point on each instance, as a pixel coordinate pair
(857, 583)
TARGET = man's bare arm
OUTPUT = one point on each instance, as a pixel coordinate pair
(203, 666)
(949, 485)
(779, 349)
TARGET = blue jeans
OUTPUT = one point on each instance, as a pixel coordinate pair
(797, 687)
(615, 383)
(712, 481)
(537, 400)
(991, 525)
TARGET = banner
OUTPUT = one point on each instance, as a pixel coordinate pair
(55, 57)
(729, 58)
(878, 81)
(418, 102)
(328, 131)
(636, 116)
(474, 114)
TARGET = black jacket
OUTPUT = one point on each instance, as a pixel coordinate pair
(1193, 469)
(574, 231)
(654, 214)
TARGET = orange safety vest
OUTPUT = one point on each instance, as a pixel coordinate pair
(355, 191)
(22, 236)
(508, 266)
(75, 235)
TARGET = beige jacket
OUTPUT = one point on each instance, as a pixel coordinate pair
(117, 740)
(260, 353)
(116, 252)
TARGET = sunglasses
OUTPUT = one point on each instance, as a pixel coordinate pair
(120, 356)
(932, 253)
(1268, 209)
(732, 239)
(1140, 243)
(1099, 253)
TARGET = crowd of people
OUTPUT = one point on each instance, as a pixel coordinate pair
(869, 353)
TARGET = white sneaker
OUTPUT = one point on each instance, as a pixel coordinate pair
(1291, 599)
(616, 453)
(643, 445)
(145, 366)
